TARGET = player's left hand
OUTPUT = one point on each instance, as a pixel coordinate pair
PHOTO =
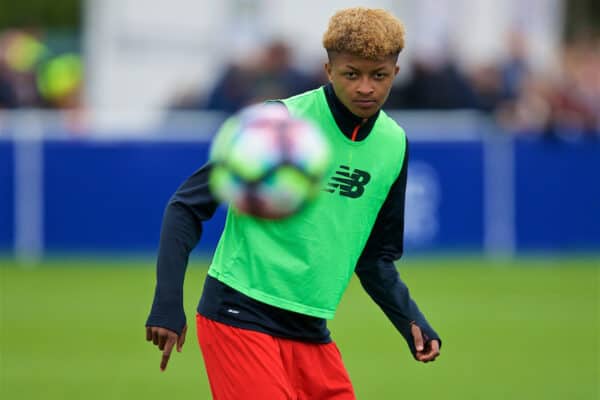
(427, 350)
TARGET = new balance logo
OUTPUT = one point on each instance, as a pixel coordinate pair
(349, 183)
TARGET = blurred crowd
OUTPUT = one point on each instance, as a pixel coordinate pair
(32, 75)
(269, 74)
(564, 102)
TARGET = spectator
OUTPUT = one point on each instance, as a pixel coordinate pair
(576, 99)
(59, 81)
(20, 54)
(434, 86)
(271, 75)
(515, 69)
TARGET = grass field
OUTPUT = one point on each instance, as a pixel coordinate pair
(518, 330)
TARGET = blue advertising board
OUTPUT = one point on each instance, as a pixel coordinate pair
(109, 196)
(557, 186)
(6, 196)
(444, 205)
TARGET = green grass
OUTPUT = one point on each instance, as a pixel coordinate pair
(518, 330)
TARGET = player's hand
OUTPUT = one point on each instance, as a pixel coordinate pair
(165, 339)
(427, 350)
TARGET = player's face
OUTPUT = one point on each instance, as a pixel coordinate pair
(362, 85)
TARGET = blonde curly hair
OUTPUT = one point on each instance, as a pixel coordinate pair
(365, 32)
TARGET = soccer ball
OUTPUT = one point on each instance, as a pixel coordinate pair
(266, 163)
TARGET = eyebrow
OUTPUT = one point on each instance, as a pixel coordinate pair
(356, 69)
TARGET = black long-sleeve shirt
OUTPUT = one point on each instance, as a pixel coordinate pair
(193, 203)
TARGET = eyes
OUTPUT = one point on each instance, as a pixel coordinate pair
(353, 75)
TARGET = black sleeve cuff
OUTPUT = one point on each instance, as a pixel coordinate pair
(167, 314)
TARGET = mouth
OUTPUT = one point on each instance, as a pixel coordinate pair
(365, 103)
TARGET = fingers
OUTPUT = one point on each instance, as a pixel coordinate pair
(417, 337)
(167, 352)
(162, 340)
(181, 339)
(432, 351)
(426, 350)
(165, 339)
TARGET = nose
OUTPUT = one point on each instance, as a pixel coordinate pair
(365, 86)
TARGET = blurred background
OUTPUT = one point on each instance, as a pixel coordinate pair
(107, 106)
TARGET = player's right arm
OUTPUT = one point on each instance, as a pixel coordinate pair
(181, 229)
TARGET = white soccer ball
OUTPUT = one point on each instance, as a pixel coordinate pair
(268, 164)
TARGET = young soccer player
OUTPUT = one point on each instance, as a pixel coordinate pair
(261, 321)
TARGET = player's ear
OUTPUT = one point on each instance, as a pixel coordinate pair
(327, 67)
(396, 70)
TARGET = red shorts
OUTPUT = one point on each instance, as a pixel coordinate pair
(245, 365)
